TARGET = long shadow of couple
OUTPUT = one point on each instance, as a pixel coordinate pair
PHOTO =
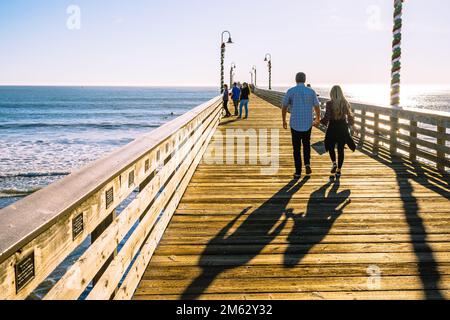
(266, 223)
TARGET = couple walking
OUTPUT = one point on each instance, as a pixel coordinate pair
(338, 117)
(240, 96)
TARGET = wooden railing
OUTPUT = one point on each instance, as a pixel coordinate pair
(42, 230)
(422, 135)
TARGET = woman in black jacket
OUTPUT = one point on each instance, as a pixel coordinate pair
(338, 118)
(245, 93)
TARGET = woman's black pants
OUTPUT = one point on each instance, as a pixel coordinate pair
(341, 154)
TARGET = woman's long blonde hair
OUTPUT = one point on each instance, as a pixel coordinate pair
(341, 107)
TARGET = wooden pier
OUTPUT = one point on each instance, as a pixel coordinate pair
(209, 230)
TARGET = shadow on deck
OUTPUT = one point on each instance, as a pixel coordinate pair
(407, 171)
(264, 233)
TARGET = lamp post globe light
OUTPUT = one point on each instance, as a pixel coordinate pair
(254, 71)
(268, 59)
(222, 57)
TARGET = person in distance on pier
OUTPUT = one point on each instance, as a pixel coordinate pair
(225, 100)
(245, 94)
(309, 86)
(235, 96)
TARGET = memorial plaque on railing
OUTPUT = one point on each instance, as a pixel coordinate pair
(109, 197)
(77, 226)
(24, 270)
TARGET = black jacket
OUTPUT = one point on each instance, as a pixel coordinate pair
(245, 93)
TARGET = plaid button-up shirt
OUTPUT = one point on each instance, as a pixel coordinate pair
(302, 101)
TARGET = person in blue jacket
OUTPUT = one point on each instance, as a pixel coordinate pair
(235, 96)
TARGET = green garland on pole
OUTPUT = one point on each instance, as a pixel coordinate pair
(222, 67)
(396, 53)
(270, 74)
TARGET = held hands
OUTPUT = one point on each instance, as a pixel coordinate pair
(316, 123)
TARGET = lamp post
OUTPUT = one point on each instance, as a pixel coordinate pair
(222, 57)
(251, 73)
(233, 66)
(254, 70)
(268, 59)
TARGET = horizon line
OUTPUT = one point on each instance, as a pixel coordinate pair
(205, 85)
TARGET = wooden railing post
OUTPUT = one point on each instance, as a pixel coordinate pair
(440, 142)
(376, 133)
(412, 143)
(97, 234)
(393, 120)
(362, 131)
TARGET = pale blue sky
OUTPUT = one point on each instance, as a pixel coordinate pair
(174, 42)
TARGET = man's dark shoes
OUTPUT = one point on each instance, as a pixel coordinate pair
(297, 176)
(308, 171)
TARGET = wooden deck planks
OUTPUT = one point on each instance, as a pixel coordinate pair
(238, 234)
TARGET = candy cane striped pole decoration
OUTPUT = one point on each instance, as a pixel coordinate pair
(396, 53)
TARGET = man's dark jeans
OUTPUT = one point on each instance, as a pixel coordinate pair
(236, 105)
(299, 138)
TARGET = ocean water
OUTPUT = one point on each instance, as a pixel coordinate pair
(47, 132)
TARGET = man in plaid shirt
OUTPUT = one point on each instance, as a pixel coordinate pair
(302, 101)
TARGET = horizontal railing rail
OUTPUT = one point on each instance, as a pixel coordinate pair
(39, 232)
(422, 135)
